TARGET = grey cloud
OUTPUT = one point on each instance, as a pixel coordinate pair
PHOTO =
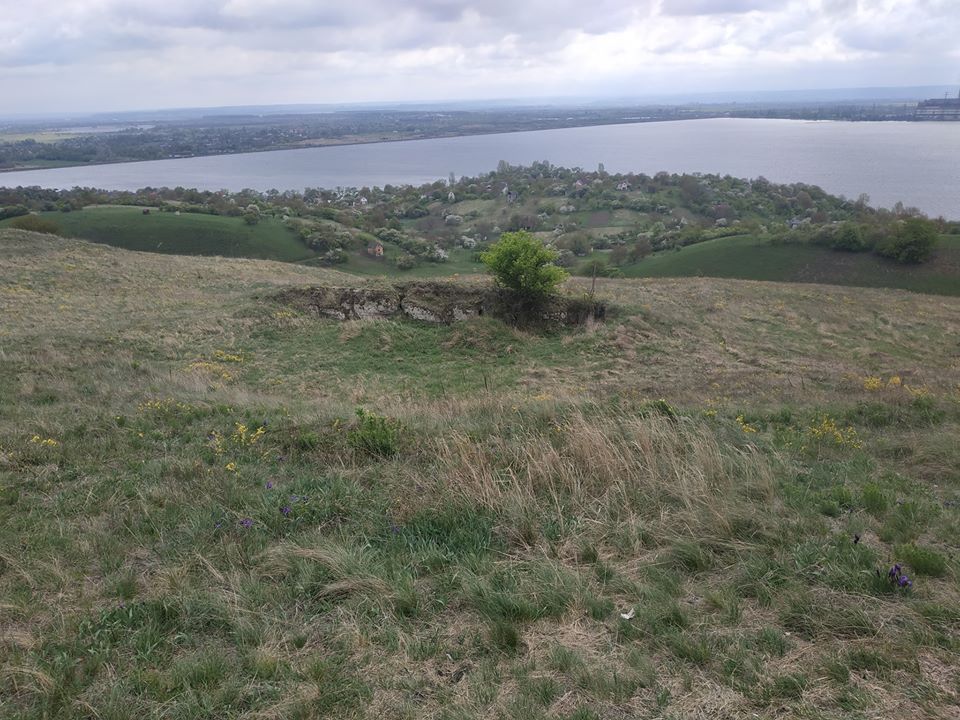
(716, 7)
(318, 50)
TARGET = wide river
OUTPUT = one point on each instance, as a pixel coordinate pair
(916, 163)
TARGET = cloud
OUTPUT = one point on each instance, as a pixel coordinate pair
(716, 7)
(102, 54)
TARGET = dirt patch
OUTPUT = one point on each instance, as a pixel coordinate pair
(438, 302)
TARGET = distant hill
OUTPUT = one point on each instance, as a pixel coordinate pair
(752, 258)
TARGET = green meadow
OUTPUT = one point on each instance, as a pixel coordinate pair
(731, 499)
(751, 258)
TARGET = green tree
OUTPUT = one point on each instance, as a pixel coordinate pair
(521, 263)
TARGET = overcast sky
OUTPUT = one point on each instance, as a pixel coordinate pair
(90, 55)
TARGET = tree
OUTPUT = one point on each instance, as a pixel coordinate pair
(618, 256)
(641, 248)
(521, 263)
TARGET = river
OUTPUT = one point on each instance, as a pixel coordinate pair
(915, 163)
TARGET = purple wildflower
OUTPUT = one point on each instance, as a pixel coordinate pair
(286, 510)
(294, 498)
(218, 524)
(246, 523)
(395, 529)
(899, 578)
(269, 484)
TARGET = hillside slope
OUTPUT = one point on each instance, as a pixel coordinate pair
(752, 258)
(681, 512)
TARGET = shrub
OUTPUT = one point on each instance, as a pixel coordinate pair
(521, 263)
(335, 256)
(15, 211)
(374, 434)
(406, 262)
(34, 223)
(912, 242)
(388, 234)
(849, 239)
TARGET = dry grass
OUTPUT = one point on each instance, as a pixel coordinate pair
(482, 570)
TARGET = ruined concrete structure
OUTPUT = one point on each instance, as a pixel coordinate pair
(438, 302)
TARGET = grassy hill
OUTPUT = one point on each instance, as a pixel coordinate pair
(184, 234)
(688, 511)
(218, 235)
(752, 258)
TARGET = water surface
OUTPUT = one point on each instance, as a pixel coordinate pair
(916, 163)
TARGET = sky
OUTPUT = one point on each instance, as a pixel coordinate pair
(107, 55)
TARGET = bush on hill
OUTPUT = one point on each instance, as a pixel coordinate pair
(911, 242)
(15, 211)
(521, 263)
(849, 238)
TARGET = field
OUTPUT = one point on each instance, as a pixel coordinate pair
(184, 234)
(40, 136)
(691, 510)
(753, 258)
(216, 235)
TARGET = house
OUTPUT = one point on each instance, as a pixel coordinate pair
(623, 186)
(375, 250)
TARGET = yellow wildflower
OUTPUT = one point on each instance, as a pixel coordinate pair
(744, 425)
